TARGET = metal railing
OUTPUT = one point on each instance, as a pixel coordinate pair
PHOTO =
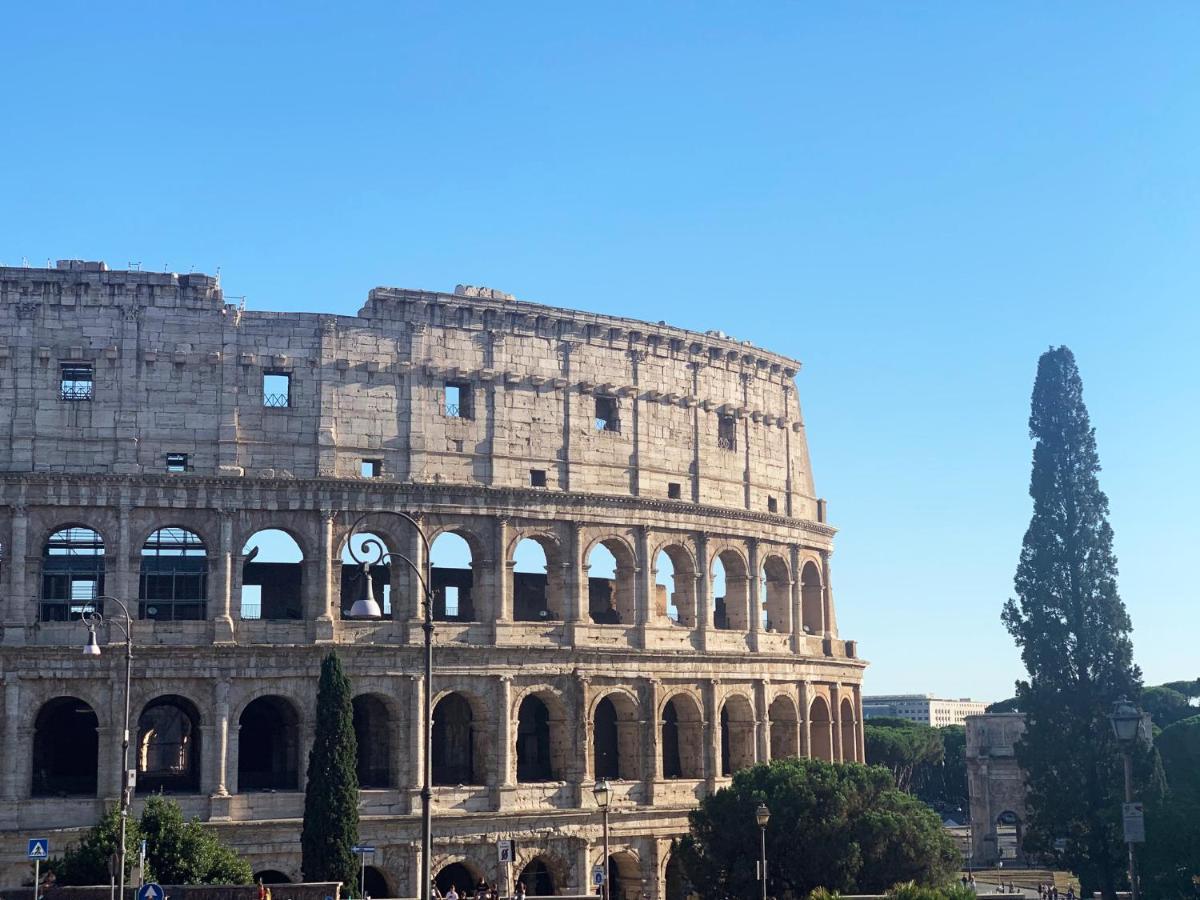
(276, 401)
(727, 443)
(451, 410)
(76, 391)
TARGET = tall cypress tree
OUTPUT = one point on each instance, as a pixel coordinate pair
(331, 794)
(1073, 632)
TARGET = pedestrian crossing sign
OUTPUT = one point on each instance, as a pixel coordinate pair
(39, 848)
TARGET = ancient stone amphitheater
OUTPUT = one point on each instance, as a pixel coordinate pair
(631, 569)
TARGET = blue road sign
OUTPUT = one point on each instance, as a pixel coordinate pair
(39, 848)
(352, 850)
(151, 891)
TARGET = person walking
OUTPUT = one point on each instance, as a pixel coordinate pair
(451, 894)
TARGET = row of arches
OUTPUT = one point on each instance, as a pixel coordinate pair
(174, 567)
(269, 754)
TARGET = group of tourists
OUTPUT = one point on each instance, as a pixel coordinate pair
(1051, 892)
(482, 891)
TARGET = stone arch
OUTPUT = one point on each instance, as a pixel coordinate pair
(1009, 831)
(66, 748)
(371, 550)
(624, 875)
(168, 751)
(612, 594)
(539, 756)
(461, 873)
(538, 877)
(538, 586)
(776, 591)
(848, 740)
(820, 729)
(173, 584)
(273, 561)
(268, 745)
(456, 556)
(375, 882)
(731, 610)
(72, 572)
(271, 876)
(616, 740)
(374, 727)
(459, 740)
(812, 591)
(675, 584)
(784, 725)
(682, 723)
(737, 733)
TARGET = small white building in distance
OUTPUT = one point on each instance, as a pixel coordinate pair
(923, 708)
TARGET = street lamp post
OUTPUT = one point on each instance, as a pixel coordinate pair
(763, 816)
(1127, 727)
(603, 793)
(92, 620)
(366, 607)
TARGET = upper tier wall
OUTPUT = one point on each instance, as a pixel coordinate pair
(176, 370)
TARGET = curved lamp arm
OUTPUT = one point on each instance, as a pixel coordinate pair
(93, 619)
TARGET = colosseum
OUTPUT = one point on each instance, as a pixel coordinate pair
(630, 570)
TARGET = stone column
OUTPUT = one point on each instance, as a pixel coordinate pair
(805, 721)
(502, 574)
(413, 607)
(835, 721)
(12, 737)
(860, 727)
(797, 600)
(221, 759)
(503, 775)
(703, 591)
(763, 715)
(653, 763)
(576, 607)
(16, 616)
(324, 596)
(754, 590)
(120, 583)
(416, 739)
(223, 596)
(712, 734)
(581, 880)
(827, 627)
(587, 757)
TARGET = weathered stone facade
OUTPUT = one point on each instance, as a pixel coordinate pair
(132, 402)
(996, 785)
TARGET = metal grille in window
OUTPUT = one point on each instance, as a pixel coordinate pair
(727, 433)
(72, 574)
(275, 401)
(277, 390)
(174, 576)
(76, 383)
(452, 410)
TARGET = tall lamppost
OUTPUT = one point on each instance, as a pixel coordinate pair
(763, 816)
(603, 793)
(365, 606)
(1127, 726)
(92, 620)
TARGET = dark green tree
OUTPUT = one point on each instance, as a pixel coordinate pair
(1073, 632)
(843, 826)
(88, 861)
(902, 747)
(179, 851)
(330, 828)
(1166, 705)
(1170, 858)
(943, 785)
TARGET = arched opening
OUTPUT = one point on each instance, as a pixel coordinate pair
(271, 876)
(375, 883)
(611, 588)
(367, 547)
(784, 724)
(737, 734)
(454, 737)
(731, 592)
(458, 876)
(268, 746)
(72, 573)
(373, 733)
(1008, 835)
(536, 877)
(168, 746)
(65, 749)
(811, 599)
(174, 582)
(820, 730)
(624, 876)
(682, 738)
(776, 588)
(453, 578)
(272, 576)
(675, 586)
(615, 744)
(537, 581)
(676, 882)
(534, 762)
(849, 744)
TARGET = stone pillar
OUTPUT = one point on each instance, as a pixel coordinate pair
(653, 763)
(502, 574)
(416, 738)
(576, 607)
(645, 566)
(754, 600)
(581, 867)
(805, 720)
(763, 714)
(828, 629)
(712, 734)
(119, 586)
(16, 616)
(221, 759)
(324, 595)
(703, 591)
(587, 773)
(505, 738)
(413, 607)
(223, 583)
(12, 737)
(797, 600)
(835, 721)
(860, 730)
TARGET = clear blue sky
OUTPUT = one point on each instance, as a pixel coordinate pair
(915, 199)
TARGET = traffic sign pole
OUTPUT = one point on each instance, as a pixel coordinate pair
(37, 877)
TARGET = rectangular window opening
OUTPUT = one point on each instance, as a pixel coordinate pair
(371, 468)
(76, 382)
(674, 491)
(178, 462)
(607, 418)
(537, 477)
(456, 402)
(451, 602)
(277, 389)
(772, 505)
(727, 433)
